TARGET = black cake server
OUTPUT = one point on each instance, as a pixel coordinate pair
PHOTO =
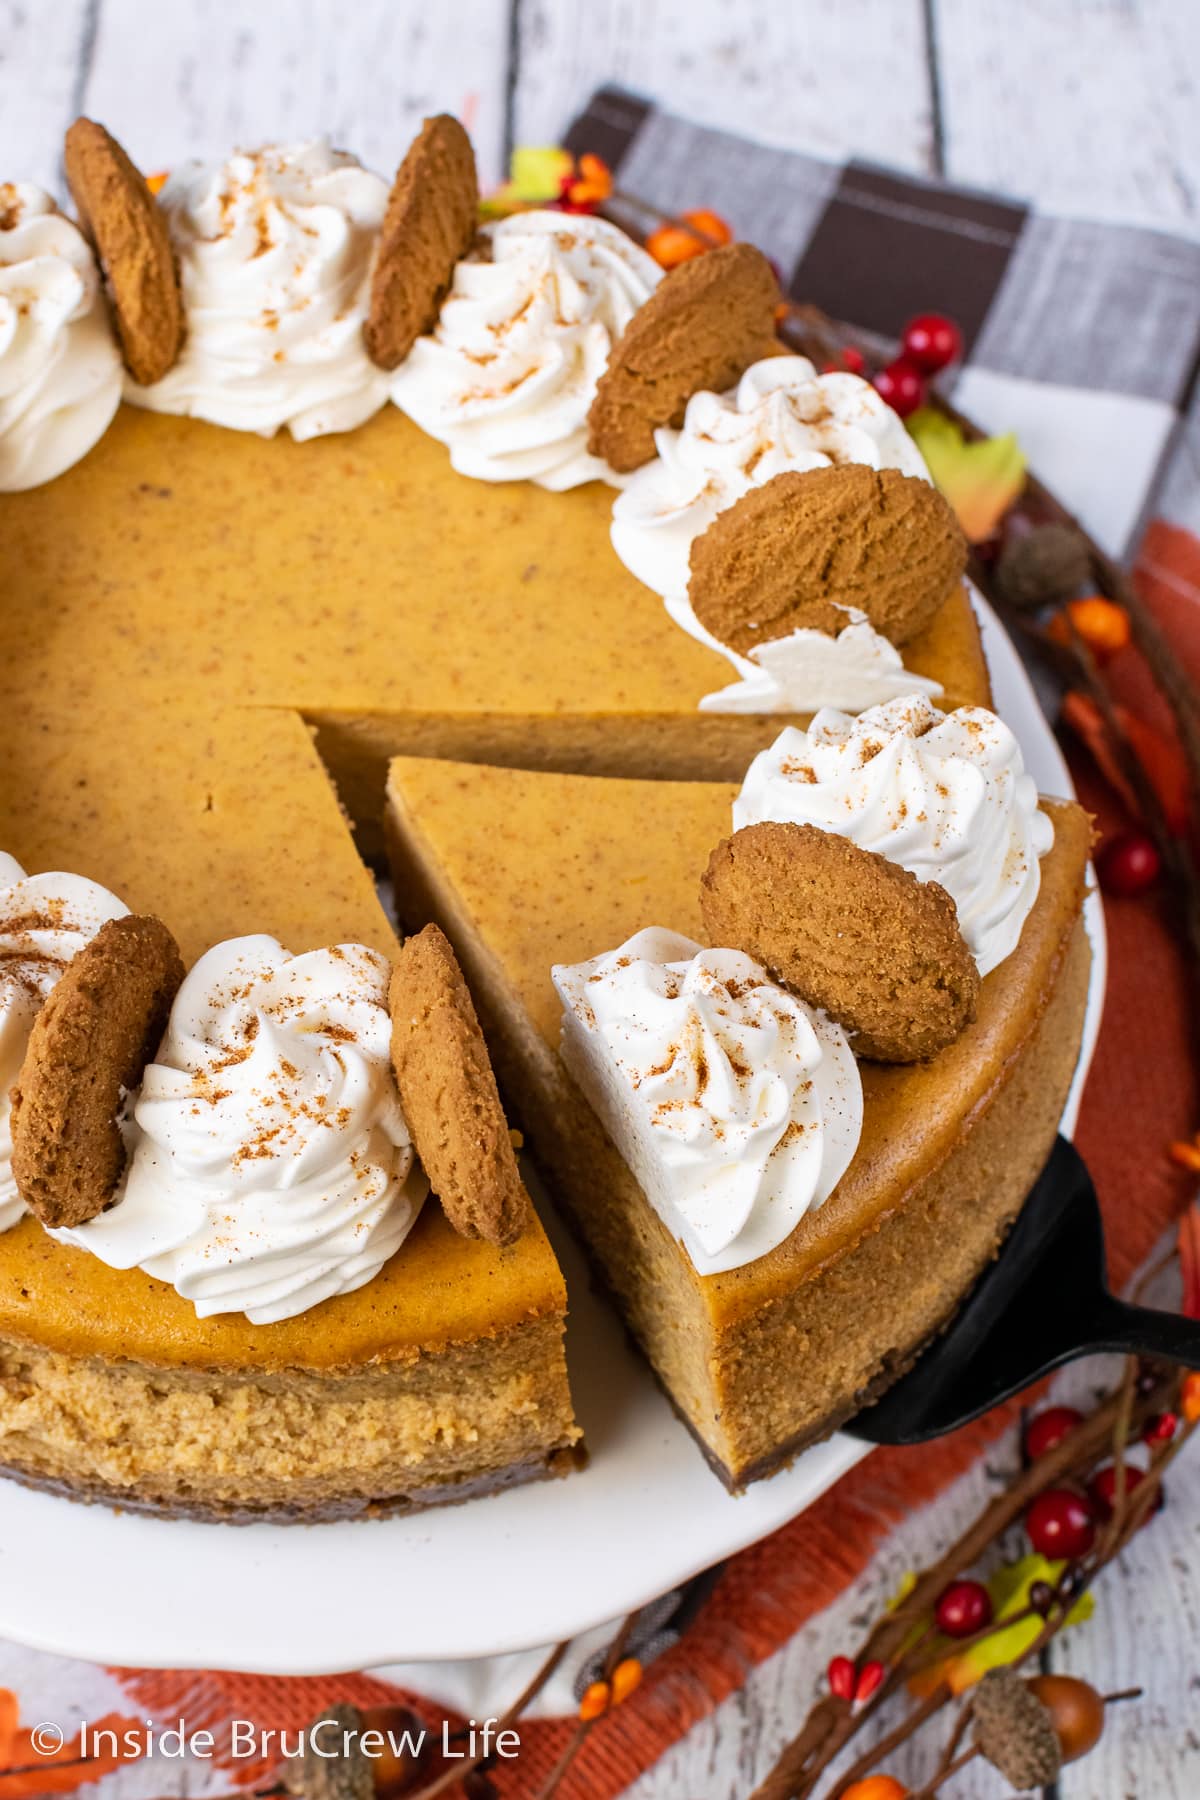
(1044, 1301)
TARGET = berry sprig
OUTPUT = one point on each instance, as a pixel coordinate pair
(1081, 1500)
(929, 344)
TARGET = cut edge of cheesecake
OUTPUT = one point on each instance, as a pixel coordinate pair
(725, 1370)
(301, 1447)
(357, 746)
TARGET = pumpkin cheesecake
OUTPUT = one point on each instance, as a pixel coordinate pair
(442, 1377)
(768, 1337)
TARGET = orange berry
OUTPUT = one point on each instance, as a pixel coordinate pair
(671, 245)
(1189, 1396)
(709, 224)
(1101, 623)
(876, 1787)
(596, 1700)
(596, 171)
(625, 1678)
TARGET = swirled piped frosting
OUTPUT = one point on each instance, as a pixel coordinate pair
(508, 374)
(945, 795)
(44, 920)
(737, 1107)
(60, 371)
(782, 415)
(275, 249)
(271, 1167)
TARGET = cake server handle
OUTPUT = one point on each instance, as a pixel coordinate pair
(1143, 1331)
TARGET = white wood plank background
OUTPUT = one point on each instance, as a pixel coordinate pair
(1088, 106)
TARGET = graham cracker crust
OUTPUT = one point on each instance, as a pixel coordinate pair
(551, 1467)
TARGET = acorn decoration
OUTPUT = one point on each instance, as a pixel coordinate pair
(1043, 567)
(1014, 1730)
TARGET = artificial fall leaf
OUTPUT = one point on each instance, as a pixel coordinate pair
(536, 173)
(1189, 1260)
(1164, 763)
(1160, 756)
(981, 480)
(1009, 1590)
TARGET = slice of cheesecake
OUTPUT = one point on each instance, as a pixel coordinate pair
(527, 870)
(442, 1377)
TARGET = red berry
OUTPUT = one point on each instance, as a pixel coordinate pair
(1048, 1428)
(1128, 864)
(842, 1677)
(932, 342)
(870, 1677)
(902, 385)
(1160, 1429)
(963, 1608)
(1060, 1524)
(1102, 1489)
(847, 362)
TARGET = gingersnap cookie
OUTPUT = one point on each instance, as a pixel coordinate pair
(449, 1094)
(125, 223)
(791, 553)
(847, 930)
(430, 224)
(99, 1027)
(702, 327)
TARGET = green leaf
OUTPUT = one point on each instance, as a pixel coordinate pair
(536, 173)
(981, 480)
(1009, 1589)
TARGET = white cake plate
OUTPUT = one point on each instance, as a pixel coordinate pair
(527, 1567)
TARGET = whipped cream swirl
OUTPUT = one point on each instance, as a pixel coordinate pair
(44, 920)
(60, 371)
(782, 416)
(508, 375)
(275, 250)
(737, 1107)
(271, 1166)
(943, 794)
(808, 669)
